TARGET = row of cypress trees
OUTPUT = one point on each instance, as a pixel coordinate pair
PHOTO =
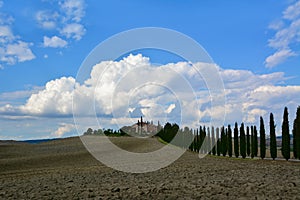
(219, 141)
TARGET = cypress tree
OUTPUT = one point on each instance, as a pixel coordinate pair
(218, 143)
(197, 145)
(255, 142)
(203, 144)
(213, 141)
(298, 132)
(285, 146)
(294, 140)
(296, 135)
(236, 140)
(262, 134)
(252, 142)
(223, 141)
(229, 143)
(200, 139)
(208, 141)
(273, 145)
(192, 133)
(192, 137)
(248, 141)
(242, 141)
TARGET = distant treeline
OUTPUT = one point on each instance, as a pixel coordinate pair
(107, 132)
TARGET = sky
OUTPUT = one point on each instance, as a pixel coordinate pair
(254, 45)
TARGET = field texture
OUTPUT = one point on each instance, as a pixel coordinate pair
(64, 169)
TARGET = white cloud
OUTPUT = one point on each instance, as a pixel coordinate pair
(279, 57)
(74, 30)
(134, 85)
(74, 9)
(64, 128)
(276, 25)
(54, 42)
(12, 48)
(6, 34)
(54, 100)
(287, 34)
(19, 94)
(47, 19)
(292, 12)
(170, 108)
(66, 20)
(20, 51)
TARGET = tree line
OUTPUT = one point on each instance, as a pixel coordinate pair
(107, 132)
(241, 141)
(237, 141)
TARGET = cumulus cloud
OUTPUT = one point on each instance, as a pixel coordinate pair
(6, 34)
(66, 20)
(118, 91)
(74, 30)
(74, 9)
(20, 51)
(12, 48)
(286, 36)
(54, 100)
(64, 128)
(47, 19)
(54, 42)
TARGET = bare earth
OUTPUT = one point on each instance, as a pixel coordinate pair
(64, 169)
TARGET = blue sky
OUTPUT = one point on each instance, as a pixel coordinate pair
(44, 40)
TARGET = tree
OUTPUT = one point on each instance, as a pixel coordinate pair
(203, 144)
(298, 131)
(252, 142)
(248, 141)
(255, 145)
(296, 134)
(167, 133)
(236, 140)
(213, 141)
(242, 141)
(100, 132)
(285, 146)
(294, 139)
(208, 141)
(191, 137)
(89, 131)
(223, 141)
(273, 145)
(218, 143)
(197, 140)
(262, 134)
(229, 143)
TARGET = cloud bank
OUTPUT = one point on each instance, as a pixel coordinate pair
(122, 90)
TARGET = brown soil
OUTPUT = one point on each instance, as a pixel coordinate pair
(63, 169)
